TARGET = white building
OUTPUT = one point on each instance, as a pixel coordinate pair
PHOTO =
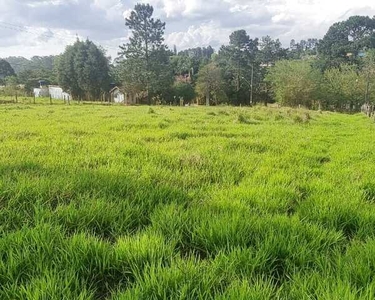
(57, 92)
(117, 95)
(41, 92)
(54, 91)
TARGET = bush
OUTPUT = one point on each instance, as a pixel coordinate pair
(294, 83)
(185, 91)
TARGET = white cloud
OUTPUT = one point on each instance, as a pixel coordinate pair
(202, 35)
(52, 24)
(239, 8)
(173, 8)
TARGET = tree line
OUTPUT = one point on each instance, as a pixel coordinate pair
(335, 73)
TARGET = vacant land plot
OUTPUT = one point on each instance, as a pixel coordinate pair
(185, 203)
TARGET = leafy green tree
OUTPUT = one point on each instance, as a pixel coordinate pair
(144, 61)
(200, 53)
(303, 48)
(343, 88)
(210, 84)
(83, 70)
(67, 75)
(5, 70)
(344, 40)
(161, 75)
(368, 73)
(294, 82)
(270, 51)
(11, 81)
(181, 64)
(197, 58)
(130, 73)
(30, 78)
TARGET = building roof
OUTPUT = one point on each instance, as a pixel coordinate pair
(116, 88)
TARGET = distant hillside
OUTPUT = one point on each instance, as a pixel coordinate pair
(20, 63)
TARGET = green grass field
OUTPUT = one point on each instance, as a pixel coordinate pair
(114, 202)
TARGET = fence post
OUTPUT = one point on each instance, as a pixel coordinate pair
(50, 99)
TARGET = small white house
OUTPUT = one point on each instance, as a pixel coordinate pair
(121, 96)
(117, 95)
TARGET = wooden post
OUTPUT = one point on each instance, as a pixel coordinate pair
(16, 98)
(50, 99)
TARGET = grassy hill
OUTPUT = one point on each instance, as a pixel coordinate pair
(112, 202)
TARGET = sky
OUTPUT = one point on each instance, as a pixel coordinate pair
(46, 27)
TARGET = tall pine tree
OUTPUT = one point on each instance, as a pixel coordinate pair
(238, 61)
(144, 60)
